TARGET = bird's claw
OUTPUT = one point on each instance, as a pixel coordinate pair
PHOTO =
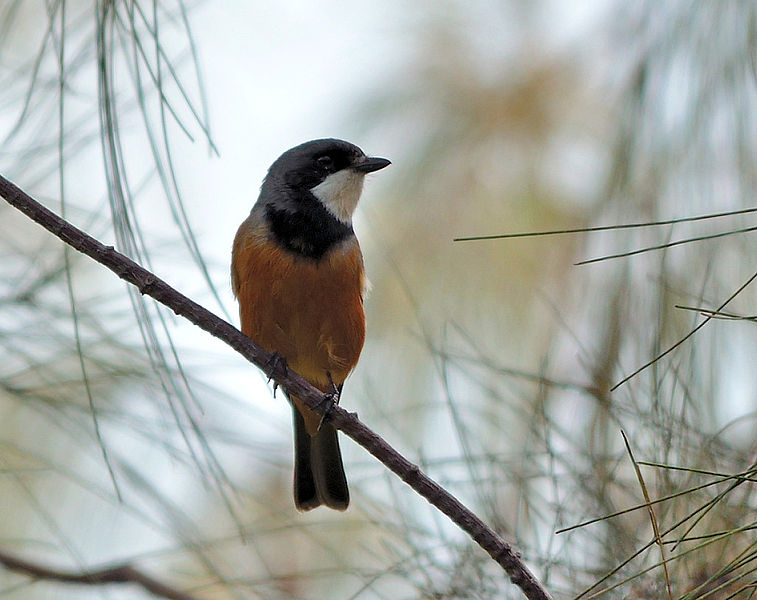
(276, 364)
(330, 399)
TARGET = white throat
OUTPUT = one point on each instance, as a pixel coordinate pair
(340, 192)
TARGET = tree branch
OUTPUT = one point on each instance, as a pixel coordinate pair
(119, 574)
(149, 284)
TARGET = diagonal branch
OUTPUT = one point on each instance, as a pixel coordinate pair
(149, 284)
(118, 574)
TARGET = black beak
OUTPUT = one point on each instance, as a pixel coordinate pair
(371, 164)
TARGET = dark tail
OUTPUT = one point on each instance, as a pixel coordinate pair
(318, 470)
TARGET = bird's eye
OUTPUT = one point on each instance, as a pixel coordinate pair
(326, 161)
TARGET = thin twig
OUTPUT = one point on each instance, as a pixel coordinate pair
(652, 516)
(291, 382)
(709, 236)
(707, 319)
(503, 236)
(118, 574)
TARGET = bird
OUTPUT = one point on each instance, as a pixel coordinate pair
(297, 272)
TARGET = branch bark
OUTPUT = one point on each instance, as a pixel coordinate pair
(149, 284)
(118, 574)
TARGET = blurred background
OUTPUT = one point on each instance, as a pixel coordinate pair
(127, 435)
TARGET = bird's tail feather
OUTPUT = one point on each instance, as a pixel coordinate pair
(318, 470)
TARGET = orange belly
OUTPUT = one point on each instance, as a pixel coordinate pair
(309, 311)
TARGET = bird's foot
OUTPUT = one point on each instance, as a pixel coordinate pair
(330, 399)
(276, 365)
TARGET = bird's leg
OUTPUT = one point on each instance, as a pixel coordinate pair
(276, 363)
(334, 394)
(331, 399)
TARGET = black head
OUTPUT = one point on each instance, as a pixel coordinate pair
(310, 194)
(309, 164)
